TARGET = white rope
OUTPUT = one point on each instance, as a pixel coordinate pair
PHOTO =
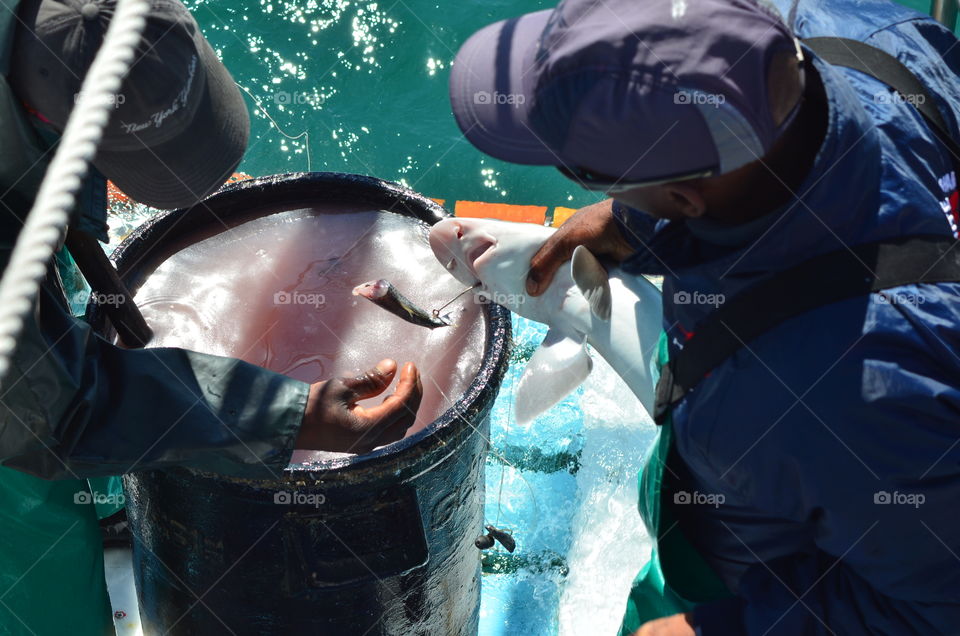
(47, 219)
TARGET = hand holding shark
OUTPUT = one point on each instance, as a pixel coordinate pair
(618, 314)
(593, 227)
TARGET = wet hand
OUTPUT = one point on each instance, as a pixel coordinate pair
(334, 422)
(594, 227)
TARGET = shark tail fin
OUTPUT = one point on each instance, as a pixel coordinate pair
(558, 367)
(592, 281)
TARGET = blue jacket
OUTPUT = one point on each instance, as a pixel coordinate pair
(833, 440)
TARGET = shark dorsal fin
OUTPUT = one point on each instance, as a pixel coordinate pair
(592, 281)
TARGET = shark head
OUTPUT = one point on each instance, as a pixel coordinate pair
(495, 254)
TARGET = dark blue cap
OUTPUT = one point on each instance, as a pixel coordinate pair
(622, 91)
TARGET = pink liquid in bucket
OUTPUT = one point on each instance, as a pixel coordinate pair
(276, 291)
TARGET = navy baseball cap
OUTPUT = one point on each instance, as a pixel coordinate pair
(179, 126)
(621, 92)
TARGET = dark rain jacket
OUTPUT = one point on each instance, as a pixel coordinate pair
(75, 405)
(819, 467)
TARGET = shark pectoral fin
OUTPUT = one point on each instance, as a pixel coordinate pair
(554, 370)
(592, 281)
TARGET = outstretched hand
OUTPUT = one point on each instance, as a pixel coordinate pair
(594, 227)
(334, 422)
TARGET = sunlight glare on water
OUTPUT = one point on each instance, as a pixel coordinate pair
(368, 82)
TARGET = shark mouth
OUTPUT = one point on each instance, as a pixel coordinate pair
(478, 252)
(473, 257)
(461, 249)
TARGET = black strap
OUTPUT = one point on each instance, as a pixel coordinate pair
(829, 278)
(888, 69)
(103, 278)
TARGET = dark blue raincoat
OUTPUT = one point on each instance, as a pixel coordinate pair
(833, 440)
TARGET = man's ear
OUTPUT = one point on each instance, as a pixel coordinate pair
(686, 198)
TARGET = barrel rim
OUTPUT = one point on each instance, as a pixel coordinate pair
(130, 254)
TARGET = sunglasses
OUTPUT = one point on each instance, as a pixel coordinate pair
(598, 182)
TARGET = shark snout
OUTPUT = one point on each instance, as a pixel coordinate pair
(444, 243)
(459, 246)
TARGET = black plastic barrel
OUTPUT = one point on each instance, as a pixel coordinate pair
(389, 551)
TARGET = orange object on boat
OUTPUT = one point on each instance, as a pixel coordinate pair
(502, 211)
(476, 209)
(115, 194)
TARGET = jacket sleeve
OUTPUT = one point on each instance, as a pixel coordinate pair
(74, 405)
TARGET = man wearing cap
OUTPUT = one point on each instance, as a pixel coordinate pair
(806, 472)
(75, 406)
(179, 130)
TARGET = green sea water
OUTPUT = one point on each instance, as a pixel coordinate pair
(367, 83)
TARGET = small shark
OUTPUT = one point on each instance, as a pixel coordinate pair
(618, 314)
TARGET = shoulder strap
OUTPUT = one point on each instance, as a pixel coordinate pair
(888, 69)
(819, 281)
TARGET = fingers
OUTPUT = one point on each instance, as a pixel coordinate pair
(557, 250)
(389, 421)
(369, 384)
(398, 412)
(334, 422)
(590, 226)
